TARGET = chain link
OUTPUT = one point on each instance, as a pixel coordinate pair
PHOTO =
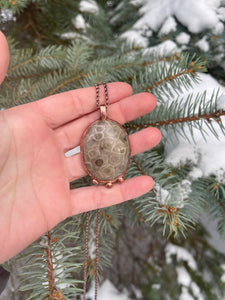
(96, 254)
(98, 94)
(85, 255)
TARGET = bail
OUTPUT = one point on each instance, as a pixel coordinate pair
(103, 115)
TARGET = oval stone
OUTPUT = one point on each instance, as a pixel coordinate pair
(105, 150)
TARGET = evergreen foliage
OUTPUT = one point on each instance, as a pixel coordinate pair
(53, 54)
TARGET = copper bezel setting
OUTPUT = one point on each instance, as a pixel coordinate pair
(95, 180)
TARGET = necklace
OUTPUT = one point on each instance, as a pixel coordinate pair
(105, 153)
(105, 148)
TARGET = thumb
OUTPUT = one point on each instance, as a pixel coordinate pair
(4, 56)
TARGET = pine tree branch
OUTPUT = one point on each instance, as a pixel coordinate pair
(163, 59)
(140, 218)
(138, 166)
(31, 60)
(64, 83)
(214, 190)
(53, 292)
(220, 203)
(140, 169)
(214, 115)
(108, 218)
(84, 75)
(50, 267)
(31, 76)
(23, 95)
(9, 86)
(31, 22)
(172, 218)
(190, 70)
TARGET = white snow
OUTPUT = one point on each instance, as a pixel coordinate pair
(195, 173)
(184, 188)
(203, 44)
(79, 22)
(44, 241)
(168, 26)
(181, 254)
(137, 292)
(156, 286)
(183, 38)
(7, 15)
(58, 267)
(178, 194)
(218, 29)
(162, 195)
(89, 6)
(185, 294)
(69, 35)
(215, 239)
(181, 154)
(134, 37)
(59, 271)
(92, 244)
(212, 160)
(107, 291)
(196, 291)
(154, 13)
(223, 276)
(221, 13)
(165, 48)
(183, 276)
(221, 102)
(195, 15)
(184, 279)
(208, 157)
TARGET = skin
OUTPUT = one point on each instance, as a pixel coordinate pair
(34, 172)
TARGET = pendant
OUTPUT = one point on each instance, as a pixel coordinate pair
(105, 150)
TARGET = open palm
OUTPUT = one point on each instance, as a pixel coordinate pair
(35, 173)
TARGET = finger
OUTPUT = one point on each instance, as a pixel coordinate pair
(130, 108)
(139, 142)
(89, 198)
(4, 57)
(65, 107)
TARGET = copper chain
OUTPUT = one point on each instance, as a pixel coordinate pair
(98, 96)
(85, 254)
(97, 215)
(96, 254)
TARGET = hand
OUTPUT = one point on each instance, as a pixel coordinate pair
(34, 172)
